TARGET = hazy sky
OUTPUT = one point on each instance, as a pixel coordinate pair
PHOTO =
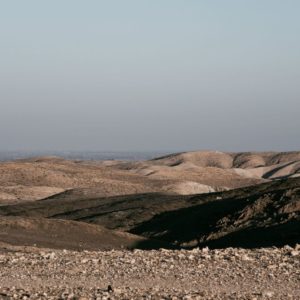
(150, 75)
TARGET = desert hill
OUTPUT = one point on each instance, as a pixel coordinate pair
(218, 170)
(265, 215)
(62, 234)
(183, 173)
(181, 200)
(229, 160)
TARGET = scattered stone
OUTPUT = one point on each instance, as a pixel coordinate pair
(294, 253)
(157, 274)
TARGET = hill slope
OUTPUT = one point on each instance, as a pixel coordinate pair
(183, 173)
(267, 214)
(267, 217)
(62, 234)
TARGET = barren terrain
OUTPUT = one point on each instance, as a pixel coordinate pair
(140, 230)
(198, 274)
(183, 173)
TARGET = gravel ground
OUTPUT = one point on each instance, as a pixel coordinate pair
(267, 273)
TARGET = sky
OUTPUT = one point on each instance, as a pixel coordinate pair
(153, 75)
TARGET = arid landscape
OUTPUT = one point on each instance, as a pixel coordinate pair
(150, 150)
(194, 225)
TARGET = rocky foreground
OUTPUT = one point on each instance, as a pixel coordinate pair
(267, 273)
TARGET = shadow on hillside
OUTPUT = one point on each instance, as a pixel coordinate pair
(191, 226)
(278, 236)
(273, 171)
(192, 223)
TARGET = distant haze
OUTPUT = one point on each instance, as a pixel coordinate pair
(150, 75)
